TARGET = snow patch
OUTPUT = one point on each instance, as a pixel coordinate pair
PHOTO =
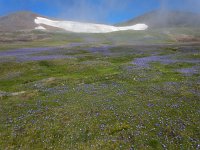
(86, 27)
(40, 28)
(134, 27)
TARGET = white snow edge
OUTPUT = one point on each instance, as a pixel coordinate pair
(79, 27)
(40, 28)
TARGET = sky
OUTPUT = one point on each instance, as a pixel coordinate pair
(98, 11)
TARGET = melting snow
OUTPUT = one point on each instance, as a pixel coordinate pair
(85, 27)
(40, 28)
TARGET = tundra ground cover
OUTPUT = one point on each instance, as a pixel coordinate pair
(101, 98)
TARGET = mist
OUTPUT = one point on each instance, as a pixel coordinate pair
(167, 17)
(101, 10)
(181, 5)
(85, 10)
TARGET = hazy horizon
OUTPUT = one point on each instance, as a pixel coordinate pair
(98, 11)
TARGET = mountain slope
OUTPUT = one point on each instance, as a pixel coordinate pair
(18, 21)
(164, 18)
(31, 21)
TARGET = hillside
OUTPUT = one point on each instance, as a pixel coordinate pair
(18, 21)
(166, 19)
(176, 27)
(30, 21)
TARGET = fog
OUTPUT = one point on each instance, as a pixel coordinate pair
(87, 11)
(166, 17)
(99, 11)
(181, 5)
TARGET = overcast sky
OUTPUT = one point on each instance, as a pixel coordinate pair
(101, 11)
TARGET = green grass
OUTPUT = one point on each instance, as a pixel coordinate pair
(47, 39)
(94, 101)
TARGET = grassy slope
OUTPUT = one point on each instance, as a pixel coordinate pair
(36, 39)
(98, 102)
(44, 39)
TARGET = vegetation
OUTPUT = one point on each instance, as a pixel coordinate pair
(26, 39)
(101, 100)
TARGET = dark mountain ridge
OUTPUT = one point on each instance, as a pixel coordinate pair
(18, 21)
